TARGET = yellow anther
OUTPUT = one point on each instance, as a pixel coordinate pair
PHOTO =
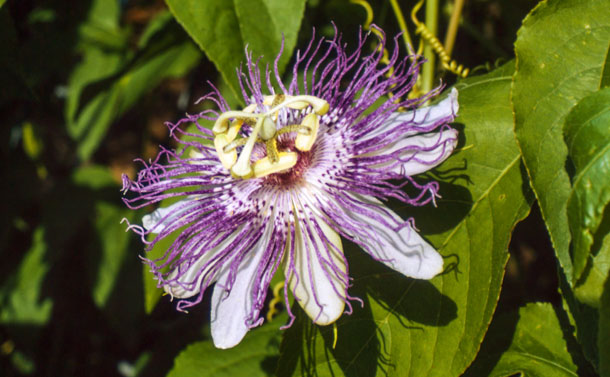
(304, 142)
(264, 166)
(234, 130)
(319, 105)
(227, 159)
(222, 123)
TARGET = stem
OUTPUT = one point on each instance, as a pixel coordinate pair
(403, 26)
(453, 26)
(430, 66)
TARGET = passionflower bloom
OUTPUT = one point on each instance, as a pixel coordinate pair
(275, 185)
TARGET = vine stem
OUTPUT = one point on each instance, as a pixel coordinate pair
(403, 26)
(453, 26)
(430, 66)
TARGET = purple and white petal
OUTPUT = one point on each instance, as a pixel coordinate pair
(417, 154)
(156, 221)
(316, 269)
(387, 238)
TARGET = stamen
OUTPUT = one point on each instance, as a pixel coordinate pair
(264, 166)
(227, 159)
(319, 105)
(222, 123)
(238, 143)
(291, 128)
(272, 151)
(304, 142)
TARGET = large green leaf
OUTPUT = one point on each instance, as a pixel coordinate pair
(530, 343)
(587, 135)
(560, 50)
(604, 329)
(108, 82)
(21, 299)
(605, 82)
(255, 356)
(222, 29)
(589, 289)
(419, 328)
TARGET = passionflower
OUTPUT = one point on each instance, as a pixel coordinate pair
(277, 184)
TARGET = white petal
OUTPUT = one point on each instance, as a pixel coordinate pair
(157, 220)
(404, 250)
(425, 116)
(419, 161)
(318, 289)
(229, 316)
(190, 281)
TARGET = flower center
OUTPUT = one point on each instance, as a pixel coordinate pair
(265, 131)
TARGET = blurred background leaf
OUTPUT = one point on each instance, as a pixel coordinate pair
(222, 28)
(110, 79)
(22, 300)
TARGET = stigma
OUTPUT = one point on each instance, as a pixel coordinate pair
(266, 130)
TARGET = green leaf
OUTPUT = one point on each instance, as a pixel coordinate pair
(603, 340)
(21, 299)
(106, 83)
(223, 28)
(587, 136)
(606, 72)
(554, 71)
(590, 288)
(256, 355)
(530, 343)
(433, 328)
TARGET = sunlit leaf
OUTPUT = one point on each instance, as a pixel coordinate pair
(605, 82)
(255, 356)
(554, 71)
(529, 343)
(590, 288)
(433, 328)
(223, 28)
(604, 329)
(587, 136)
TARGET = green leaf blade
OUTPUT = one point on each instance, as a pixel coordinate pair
(554, 71)
(603, 340)
(535, 348)
(255, 356)
(223, 28)
(588, 137)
